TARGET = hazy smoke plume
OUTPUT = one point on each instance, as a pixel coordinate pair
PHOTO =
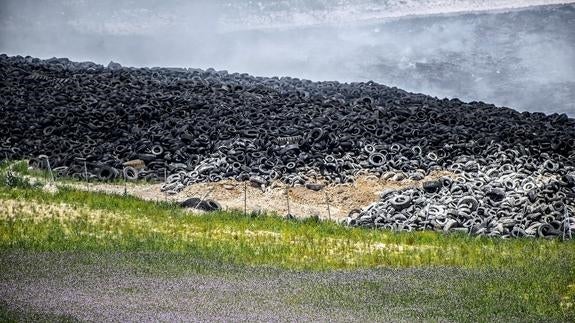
(523, 58)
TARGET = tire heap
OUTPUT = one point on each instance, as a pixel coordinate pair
(506, 198)
(513, 172)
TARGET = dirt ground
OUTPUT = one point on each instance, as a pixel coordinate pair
(303, 202)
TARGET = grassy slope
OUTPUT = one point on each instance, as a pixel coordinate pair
(519, 278)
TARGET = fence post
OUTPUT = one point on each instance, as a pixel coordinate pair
(245, 198)
(165, 180)
(205, 195)
(49, 168)
(86, 174)
(327, 202)
(125, 181)
(566, 226)
(287, 199)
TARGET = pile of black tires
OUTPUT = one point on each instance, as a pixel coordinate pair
(193, 126)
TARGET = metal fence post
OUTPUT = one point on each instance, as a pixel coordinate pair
(86, 175)
(49, 168)
(287, 199)
(327, 202)
(165, 180)
(245, 198)
(566, 226)
(125, 181)
(203, 198)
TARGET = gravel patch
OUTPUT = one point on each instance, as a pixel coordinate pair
(154, 287)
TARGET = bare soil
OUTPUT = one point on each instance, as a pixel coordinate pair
(303, 202)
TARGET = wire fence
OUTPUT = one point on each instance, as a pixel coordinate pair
(49, 177)
(124, 188)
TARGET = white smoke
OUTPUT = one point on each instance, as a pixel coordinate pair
(418, 45)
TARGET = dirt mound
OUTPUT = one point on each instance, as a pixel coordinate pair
(303, 202)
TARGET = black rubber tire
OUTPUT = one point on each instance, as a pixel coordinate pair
(130, 173)
(106, 173)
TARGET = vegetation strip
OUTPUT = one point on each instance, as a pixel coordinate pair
(69, 219)
(541, 272)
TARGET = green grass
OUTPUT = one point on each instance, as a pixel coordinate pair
(11, 175)
(415, 294)
(96, 221)
(11, 315)
(529, 276)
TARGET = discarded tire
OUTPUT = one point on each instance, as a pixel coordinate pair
(204, 205)
(512, 172)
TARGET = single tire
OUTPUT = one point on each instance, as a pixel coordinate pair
(130, 173)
